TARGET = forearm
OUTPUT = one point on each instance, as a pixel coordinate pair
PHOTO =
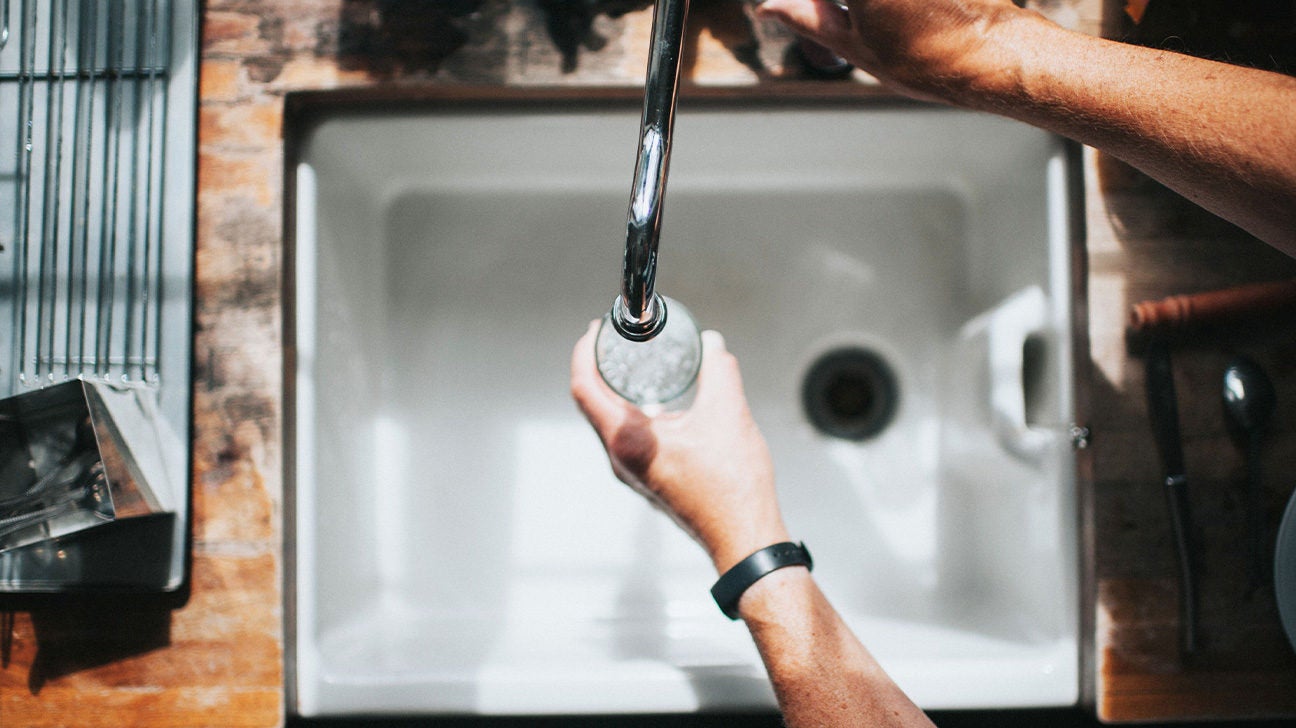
(821, 673)
(709, 468)
(1221, 135)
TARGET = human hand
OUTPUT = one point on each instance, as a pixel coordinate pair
(707, 467)
(930, 49)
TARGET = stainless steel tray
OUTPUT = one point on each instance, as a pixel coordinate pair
(97, 105)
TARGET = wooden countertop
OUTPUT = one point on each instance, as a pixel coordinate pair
(1145, 243)
(218, 660)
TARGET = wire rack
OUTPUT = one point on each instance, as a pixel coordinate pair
(83, 108)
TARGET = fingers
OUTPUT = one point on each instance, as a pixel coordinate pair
(600, 405)
(821, 20)
(582, 361)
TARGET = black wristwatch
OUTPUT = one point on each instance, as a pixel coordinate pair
(729, 588)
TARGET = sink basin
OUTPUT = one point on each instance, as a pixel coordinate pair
(458, 543)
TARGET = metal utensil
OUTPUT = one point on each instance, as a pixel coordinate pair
(1163, 410)
(1249, 402)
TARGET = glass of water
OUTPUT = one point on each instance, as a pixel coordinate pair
(659, 373)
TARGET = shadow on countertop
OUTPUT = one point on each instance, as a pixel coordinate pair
(1043, 718)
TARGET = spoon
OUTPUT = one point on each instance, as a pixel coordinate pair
(1248, 405)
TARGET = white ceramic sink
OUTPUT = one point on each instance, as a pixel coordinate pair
(460, 542)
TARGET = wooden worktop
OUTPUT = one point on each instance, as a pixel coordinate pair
(218, 660)
(1145, 243)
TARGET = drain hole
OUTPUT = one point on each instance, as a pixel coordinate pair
(849, 393)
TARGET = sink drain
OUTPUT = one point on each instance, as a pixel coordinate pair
(849, 393)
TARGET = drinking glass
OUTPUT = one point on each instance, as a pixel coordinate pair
(657, 373)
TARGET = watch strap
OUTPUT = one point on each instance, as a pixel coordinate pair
(729, 588)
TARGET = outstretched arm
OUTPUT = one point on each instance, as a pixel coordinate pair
(1220, 135)
(709, 468)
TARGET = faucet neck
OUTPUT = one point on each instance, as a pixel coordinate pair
(638, 308)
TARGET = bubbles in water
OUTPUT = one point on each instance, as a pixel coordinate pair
(655, 371)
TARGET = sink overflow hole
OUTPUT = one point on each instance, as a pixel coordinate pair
(849, 393)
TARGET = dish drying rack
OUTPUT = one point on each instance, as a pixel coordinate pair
(97, 110)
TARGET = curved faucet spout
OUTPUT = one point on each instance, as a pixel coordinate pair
(639, 313)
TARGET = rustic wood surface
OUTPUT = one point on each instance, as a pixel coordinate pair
(1146, 243)
(218, 660)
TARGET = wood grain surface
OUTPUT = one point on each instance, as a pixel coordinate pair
(218, 660)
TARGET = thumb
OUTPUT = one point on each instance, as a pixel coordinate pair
(720, 378)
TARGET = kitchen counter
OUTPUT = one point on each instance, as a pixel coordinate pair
(1146, 243)
(218, 660)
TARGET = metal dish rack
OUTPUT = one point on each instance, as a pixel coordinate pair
(97, 103)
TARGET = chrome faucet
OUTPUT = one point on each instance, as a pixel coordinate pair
(639, 313)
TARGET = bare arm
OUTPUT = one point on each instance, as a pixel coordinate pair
(710, 470)
(1221, 135)
(821, 673)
